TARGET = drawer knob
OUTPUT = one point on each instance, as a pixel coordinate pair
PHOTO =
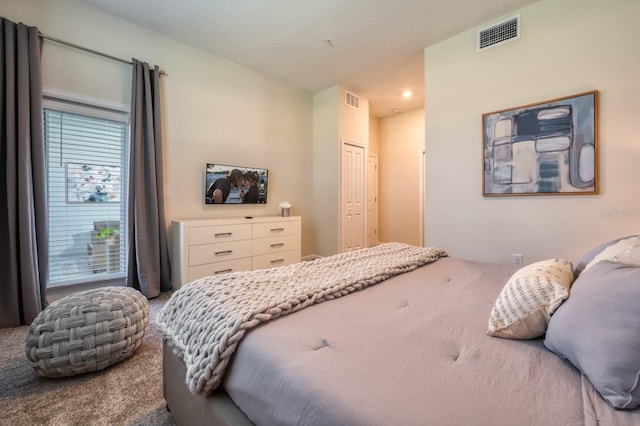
(224, 271)
(277, 229)
(223, 234)
(276, 261)
(225, 252)
(277, 245)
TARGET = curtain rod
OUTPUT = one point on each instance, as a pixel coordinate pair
(86, 49)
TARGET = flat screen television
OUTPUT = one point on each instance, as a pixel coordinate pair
(225, 184)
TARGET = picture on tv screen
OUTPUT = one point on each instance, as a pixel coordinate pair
(226, 184)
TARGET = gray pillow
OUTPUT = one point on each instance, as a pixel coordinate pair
(598, 330)
(579, 265)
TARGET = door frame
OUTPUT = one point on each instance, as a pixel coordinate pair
(376, 195)
(422, 157)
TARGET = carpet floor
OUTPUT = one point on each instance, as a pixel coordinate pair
(127, 393)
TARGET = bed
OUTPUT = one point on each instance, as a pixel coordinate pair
(431, 343)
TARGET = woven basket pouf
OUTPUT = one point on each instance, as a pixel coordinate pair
(87, 331)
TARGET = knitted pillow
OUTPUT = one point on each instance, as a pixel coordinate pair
(579, 265)
(528, 299)
(625, 251)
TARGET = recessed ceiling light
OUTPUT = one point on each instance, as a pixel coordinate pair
(395, 110)
(407, 94)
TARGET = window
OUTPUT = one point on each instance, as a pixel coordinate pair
(86, 149)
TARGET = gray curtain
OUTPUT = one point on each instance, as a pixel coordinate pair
(148, 254)
(23, 207)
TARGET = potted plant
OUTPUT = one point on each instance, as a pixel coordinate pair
(106, 234)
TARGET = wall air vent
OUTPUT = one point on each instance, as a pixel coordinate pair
(499, 33)
(352, 100)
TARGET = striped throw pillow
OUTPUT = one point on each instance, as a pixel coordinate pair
(528, 299)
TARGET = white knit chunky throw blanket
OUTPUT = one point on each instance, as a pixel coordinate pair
(205, 320)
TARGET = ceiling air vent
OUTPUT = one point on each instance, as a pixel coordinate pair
(352, 100)
(499, 33)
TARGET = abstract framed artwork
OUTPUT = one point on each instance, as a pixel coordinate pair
(93, 183)
(545, 148)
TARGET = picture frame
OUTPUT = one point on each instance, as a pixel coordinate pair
(93, 183)
(543, 148)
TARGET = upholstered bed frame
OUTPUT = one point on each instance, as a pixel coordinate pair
(190, 409)
(449, 342)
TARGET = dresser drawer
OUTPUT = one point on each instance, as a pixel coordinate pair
(206, 247)
(209, 253)
(273, 229)
(274, 244)
(214, 234)
(272, 260)
(195, 272)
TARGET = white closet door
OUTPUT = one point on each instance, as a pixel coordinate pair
(353, 197)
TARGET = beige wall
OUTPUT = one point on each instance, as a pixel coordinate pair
(353, 124)
(374, 135)
(214, 110)
(566, 47)
(326, 160)
(401, 142)
(333, 121)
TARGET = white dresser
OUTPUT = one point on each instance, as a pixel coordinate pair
(202, 247)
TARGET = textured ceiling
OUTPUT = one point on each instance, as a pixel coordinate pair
(375, 49)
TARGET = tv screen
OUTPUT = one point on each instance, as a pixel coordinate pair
(226, 184)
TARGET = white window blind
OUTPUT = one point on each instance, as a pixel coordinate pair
(86, 193)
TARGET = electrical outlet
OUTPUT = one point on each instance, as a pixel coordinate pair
(517, 259)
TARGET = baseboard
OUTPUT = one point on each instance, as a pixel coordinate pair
(310, 257)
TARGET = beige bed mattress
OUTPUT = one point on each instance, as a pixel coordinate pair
(412, 350)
